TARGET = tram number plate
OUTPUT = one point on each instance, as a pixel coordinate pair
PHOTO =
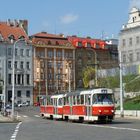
(106, 110)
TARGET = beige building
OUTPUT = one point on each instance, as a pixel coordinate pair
(54, 65)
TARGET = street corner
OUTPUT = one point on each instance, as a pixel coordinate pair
(8, 119)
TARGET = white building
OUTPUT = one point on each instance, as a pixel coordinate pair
(129, 43)
(11, 33)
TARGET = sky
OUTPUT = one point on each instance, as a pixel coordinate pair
(95, 18)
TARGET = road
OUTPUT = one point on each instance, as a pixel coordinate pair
(35, 128)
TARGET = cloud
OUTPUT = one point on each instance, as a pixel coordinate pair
(69, 18)
(134, 3)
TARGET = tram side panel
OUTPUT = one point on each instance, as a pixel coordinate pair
(49, 111)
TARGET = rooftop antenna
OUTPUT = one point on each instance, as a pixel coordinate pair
(102, 35)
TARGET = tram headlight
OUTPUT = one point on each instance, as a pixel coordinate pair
(112, 111)
(99, 111)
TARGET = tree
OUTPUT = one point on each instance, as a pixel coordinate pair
(88, 75)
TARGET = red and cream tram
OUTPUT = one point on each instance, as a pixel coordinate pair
(88, 105)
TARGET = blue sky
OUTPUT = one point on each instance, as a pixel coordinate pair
(72, 17)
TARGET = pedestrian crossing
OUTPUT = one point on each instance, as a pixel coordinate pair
(25, 116)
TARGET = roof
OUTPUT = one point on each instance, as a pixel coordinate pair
(7, 30)
(47, 35)
(44, 39)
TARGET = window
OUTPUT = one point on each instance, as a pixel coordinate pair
(21, 64)
(50, 54)
(22, 52)
(124, 58)
(28, 93)
(70, 55)
(89, 45)
(28, 65)
(79, 44)
(123, 43)
(57, 43)
(19, 79)
(9, 79)
(59, 54)
(28, 52)
(130, 57)
(16, 65)
(28, 79)
(16, 52)
(138, 56)
(59, 65)
(19, 93)
(49, 64)
(137, 40)
(9, 64)
(130, 41)
(9, 51)
(49, 42)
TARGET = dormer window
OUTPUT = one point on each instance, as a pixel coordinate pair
(79, 44)
(57, 43)
(49, 42)
(21, 37)
(11, 37)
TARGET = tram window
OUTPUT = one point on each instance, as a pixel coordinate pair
(78, 99)
(60, 101)
(88, 99)
(94, 99)
(64, 100)
(67, 100)
(82, 99)
(51, 101)
(74, 100)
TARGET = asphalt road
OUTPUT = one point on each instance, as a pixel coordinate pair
(35, 128)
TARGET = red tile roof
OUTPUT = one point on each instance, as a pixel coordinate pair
(46, 35)
(44, 38)
(6, 30)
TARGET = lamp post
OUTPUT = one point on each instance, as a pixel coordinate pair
(121, 88)
(13, 78)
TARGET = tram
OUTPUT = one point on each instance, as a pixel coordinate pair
(89, 105)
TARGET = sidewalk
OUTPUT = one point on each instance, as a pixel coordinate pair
(8, 119)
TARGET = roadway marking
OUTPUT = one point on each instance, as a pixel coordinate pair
(37, 116)
(113, 127)
(25, 116)
(14, 135)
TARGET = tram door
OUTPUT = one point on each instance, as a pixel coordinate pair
(88, 104)
(55, 105)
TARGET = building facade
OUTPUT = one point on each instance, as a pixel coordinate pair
(92, 52)
(129, 43)
(14, 42)
(53, 65)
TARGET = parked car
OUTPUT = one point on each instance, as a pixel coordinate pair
(23, 104)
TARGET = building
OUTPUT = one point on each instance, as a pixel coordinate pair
(92, 52)
(14, 41)
(129, 43)
(53, 64)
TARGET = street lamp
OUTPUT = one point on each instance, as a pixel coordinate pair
(121, 88)
(13, 80)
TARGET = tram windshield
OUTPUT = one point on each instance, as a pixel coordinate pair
(103, 99)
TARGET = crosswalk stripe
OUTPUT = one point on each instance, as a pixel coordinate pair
(37, 116)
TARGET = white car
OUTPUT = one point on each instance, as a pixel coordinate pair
(23, 104)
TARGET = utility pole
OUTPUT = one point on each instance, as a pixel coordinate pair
(121, 88)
